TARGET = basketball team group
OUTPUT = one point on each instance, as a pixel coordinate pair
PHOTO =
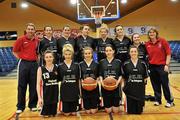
(62, 75)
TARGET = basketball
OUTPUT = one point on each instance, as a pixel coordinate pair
(109, 83)
(89, 84)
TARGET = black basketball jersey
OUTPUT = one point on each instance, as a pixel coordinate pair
(142, 52)
(89, 71)
(50, 85)
(69, 78)
(101, 45)
(122, 48)
(134, 79)
(62, 41)
(81, 43)
(110, 69)
(46, 44)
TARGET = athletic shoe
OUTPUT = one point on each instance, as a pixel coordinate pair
(39, 108)
(18, 111)
(168, 105)
(34, 109)
(156, 103)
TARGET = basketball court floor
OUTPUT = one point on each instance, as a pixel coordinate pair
(8, 101)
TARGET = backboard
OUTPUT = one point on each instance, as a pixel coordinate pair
(85, 8)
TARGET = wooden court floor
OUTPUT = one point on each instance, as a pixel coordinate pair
(8, 93)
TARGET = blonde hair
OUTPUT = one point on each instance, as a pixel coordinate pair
(103, 28)
(68, 47)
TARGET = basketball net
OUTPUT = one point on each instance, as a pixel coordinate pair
(98, 17)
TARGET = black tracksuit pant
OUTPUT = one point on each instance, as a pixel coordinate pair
(27, 75)
(160, 78)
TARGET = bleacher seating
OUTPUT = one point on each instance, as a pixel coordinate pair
(175, 50)
(7, 60)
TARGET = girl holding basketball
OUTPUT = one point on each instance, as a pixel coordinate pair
(134, 76)
(48, 75)
(89, 71)
(110, 69)
(69, 75)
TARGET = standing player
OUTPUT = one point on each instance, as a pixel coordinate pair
(110, 67)
(69, 76)
(48, 75)
(135, 76)
(48, 43)
(89, 68)
(102, 42)
(159, 59)
(142, 52)
(25, 49)
(84, 40)
(65, 39)
(121, 44)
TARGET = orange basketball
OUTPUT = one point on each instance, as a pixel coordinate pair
(109, 83)
(89, 84)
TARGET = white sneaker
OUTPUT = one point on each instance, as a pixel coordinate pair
(39, 108)
(33, 109)
(18, 111)
(168, 105)
(156, 103)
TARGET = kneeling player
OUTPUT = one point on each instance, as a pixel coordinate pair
(134, 74)
(69, 76)
(49, 76)
(110, 67)
(89, 68)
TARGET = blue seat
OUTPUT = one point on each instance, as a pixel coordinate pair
(7, 60)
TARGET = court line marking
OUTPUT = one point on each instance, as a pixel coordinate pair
(14, 114)
(150, 113)
(175, 87)
(110, 116)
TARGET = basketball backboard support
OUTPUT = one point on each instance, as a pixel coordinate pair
(85, 9)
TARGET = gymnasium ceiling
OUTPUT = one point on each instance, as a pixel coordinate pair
(65, 9)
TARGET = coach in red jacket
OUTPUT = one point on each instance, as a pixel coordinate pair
(25, 49)
(159, 59)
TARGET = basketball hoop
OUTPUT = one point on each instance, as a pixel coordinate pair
(97, 12)
(98, 17)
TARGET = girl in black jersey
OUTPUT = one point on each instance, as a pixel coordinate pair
(110, 67)
(89, 68)
(48, 43)
(101, 43)
(135, 76)
(48, 75)
(84, 40)
(142, 52)
(121, 44)
(65, 39)
(69, 75)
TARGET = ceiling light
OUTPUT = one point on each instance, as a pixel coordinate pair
(24, 5)
(123, 1)
(174, 0)
(73, 2)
